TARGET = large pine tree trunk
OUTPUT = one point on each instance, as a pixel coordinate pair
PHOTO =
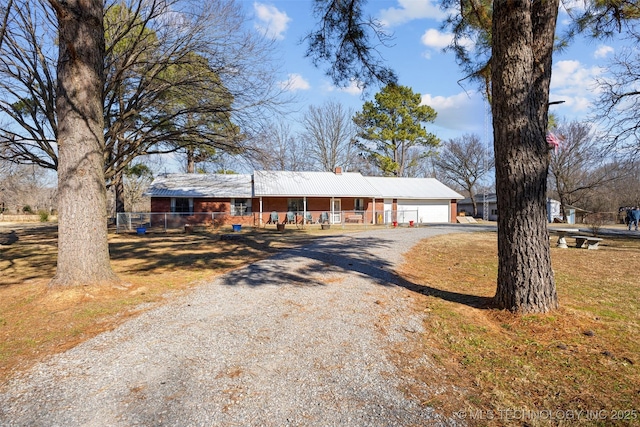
(83, 251)
(523, 32)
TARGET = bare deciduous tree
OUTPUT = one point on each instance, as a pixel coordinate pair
(26, 185)
(419, 163)
(137, 179)
(464, 162)
(329, 132)
(177, 73)
(4, 17)
(618, 107)
(278, 149)
(578, 166)
(622, 188)
(53, 89)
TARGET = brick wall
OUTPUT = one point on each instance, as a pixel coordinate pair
(211, 205)
(454, 211)
(160, 204)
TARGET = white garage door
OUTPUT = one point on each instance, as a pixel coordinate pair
(423, 211)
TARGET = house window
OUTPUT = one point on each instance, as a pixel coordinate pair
(240, 207)
(494, 212)
(358, 204)
(181, 205)
(295, 205)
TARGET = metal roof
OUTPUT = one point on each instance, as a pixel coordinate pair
(412, 188)
(201, 185)
(479, 198)
(298, 184)
(312, 184)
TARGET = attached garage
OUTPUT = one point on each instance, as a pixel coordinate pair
(422, 211)
(421, 200)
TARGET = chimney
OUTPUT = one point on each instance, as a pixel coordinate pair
(338, 170)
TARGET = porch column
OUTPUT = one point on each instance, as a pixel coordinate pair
(373, 220)
(260, 221)
(304, 210)
(331, 219)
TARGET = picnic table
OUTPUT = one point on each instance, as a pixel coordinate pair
(562, 232)
(592, 242)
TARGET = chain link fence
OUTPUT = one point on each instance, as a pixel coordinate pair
(142, 222)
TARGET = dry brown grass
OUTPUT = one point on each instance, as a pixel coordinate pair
(36, 321)
(582, 357)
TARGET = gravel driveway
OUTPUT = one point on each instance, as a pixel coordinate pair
(294, 340)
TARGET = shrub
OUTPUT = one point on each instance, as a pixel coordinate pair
(596, 220)
(27, 209)
(44, 216)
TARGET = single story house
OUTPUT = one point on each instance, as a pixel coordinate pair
(465, 207)
(334, 197)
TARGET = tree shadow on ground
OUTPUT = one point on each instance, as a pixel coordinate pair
(34, 255)
(334, 255)
(29, 254)
(162, 252)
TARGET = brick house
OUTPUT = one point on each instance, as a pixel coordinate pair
(334, 197)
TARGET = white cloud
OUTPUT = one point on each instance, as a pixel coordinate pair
(575, 84)
(355, 88)
(272, 22)
(409, 10)
(602, 51)
(574, 75)
(458, 112)
(436, 39)
(294, 83)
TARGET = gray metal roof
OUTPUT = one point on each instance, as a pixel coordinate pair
(201, 185)
(312, 184)
(298, 184)
(491, 198)
(412, 188)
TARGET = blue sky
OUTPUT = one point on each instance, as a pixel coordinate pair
(417, 57)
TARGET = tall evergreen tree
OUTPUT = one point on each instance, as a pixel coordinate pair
(393, 124)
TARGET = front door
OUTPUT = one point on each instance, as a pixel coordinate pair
(336, 211)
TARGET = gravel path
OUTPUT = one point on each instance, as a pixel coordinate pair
(295, 340)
